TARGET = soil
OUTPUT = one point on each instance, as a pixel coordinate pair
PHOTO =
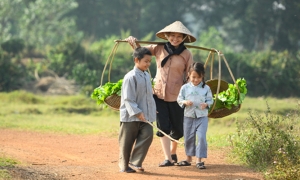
(80, 157)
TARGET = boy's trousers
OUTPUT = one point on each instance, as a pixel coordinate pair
(135, 139)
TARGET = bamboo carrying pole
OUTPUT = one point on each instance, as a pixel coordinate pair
(163, 132)
(188, 46)
(211, 57)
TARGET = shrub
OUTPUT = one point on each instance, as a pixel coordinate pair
(269, 144)
(12, 74)
(13, 46)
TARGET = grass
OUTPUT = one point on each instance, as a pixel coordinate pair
(60, 114)
(80, 115)
(6, 162)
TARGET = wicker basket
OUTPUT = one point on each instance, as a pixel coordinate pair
(219, 113)
(113, 102)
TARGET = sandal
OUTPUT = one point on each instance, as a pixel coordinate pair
(174, 158)
(138, 168)
(128, 170)
(166, 163)
(200, 165)
(184, 163)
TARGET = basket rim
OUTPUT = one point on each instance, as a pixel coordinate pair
(114, 106)
(226, 112)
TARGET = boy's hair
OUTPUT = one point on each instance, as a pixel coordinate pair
(199, 69)
(140, 52)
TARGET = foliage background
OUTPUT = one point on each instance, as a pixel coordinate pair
(73, 39)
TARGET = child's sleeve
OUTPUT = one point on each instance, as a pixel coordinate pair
(209, 98)
(181, 96)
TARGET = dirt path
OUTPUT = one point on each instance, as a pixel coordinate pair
(54, 156)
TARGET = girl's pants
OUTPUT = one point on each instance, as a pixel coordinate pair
(193, 127)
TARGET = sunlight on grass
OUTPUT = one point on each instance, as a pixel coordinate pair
(71, 124)
(80, 115)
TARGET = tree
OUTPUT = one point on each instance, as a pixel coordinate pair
(252, 25)
(10, 11)
(45, 22)
(37, 22)
(101, 18)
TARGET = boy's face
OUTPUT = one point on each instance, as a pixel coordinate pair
(144, 63)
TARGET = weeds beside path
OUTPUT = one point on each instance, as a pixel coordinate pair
(93, 157)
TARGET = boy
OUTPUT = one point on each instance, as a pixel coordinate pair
(137, 107)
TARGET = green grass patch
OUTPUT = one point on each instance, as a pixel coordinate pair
(20, 97)
(60, 114)
(81, 115)
(6, 163)
(68, 124)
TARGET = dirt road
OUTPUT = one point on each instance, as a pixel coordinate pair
(74, 157)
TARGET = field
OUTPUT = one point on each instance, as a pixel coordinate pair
(39, 122)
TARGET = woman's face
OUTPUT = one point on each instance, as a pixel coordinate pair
(175, 38)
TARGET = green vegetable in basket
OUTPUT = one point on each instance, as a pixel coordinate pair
(231, 97)
(102, 92)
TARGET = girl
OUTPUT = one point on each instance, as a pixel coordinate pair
(196, 97)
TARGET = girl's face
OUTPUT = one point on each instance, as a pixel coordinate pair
(175, 38)
(144, 63)
(195, 78)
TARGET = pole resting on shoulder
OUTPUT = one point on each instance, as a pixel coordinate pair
(188, 46)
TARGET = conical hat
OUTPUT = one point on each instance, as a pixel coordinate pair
(177, 27)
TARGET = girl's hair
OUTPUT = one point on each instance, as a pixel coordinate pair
(199, 69)
(140, 52)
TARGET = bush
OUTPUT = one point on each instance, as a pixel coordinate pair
(261, 79)
(284, 167)
(13, 73)
(72, 60)
(13, 46)
(269, 144)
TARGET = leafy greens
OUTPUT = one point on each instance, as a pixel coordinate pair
(231, 96)
(102, 92)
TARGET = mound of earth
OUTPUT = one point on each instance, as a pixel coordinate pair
(50, 85)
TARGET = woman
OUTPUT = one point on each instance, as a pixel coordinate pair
(172, 63)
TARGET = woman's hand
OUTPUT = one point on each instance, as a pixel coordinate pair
(132, 42)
